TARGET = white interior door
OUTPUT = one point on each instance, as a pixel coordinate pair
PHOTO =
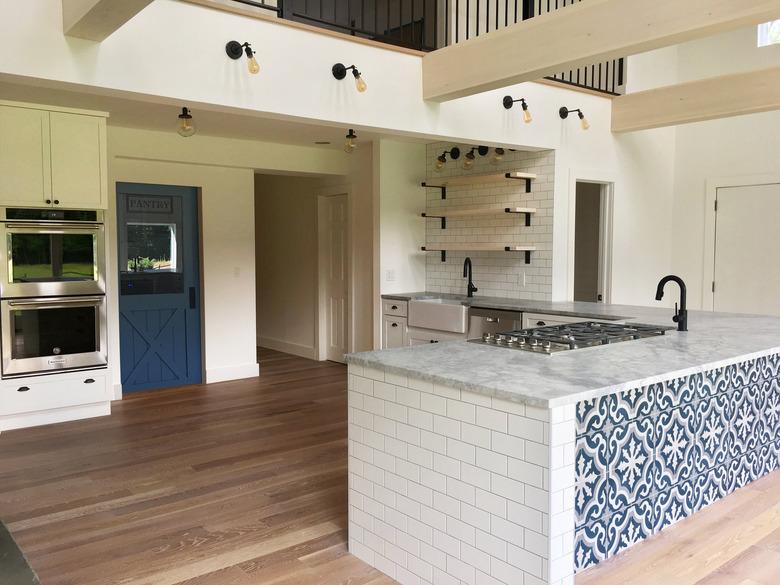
(333, 275)
(747, 275)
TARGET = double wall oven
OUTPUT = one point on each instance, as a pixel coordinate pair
(52, 290)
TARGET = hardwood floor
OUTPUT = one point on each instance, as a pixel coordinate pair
(735, 541)
(243, 483)
(235, 483)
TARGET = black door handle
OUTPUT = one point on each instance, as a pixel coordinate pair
(89, 381)
(541, 323)
(394, 325)
(23, 389)
(192, 297)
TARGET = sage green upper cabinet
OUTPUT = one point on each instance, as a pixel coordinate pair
(52, 157)
(78, 161)
(24, 157)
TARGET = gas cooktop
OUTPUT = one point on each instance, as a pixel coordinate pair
(555, 338)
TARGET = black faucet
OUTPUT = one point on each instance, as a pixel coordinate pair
(470, 288)
(681, 314)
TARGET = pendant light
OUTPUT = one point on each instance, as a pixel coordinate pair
(509, 102)
(350, 143)
(339, 71)
(186, 126)
(564, 113)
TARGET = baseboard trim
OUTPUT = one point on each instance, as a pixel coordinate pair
(237, 372)
(304, 351)
(55, 415)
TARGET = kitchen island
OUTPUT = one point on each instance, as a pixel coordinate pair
(480, 464)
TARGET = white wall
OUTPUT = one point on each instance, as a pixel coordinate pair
(731, 147)
(155, 56)
(224, 171)
(401, 229)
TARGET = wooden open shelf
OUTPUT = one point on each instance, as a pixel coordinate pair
(479, 179)
(443, 213)
(444, 248)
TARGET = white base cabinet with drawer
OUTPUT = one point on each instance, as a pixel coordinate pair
(39, 400)
(394, 323)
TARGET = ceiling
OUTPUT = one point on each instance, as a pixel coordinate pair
(149, 115)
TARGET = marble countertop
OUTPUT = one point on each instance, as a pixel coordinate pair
(713, 340)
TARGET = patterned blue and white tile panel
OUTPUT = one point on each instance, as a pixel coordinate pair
(648, 457)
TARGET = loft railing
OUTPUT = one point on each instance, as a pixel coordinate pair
(428, 25)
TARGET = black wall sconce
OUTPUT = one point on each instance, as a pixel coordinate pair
(350, 143)
(235, 50)
(564, 113)
(509, 102)
(340, 72)
(441, 160)
(186, 126)
(471, 157)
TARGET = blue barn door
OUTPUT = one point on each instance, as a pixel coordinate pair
(159, 292)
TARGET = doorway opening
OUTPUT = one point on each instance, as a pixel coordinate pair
(592, 250)
(302, 241)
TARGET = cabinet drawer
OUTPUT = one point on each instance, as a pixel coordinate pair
(397, 308)
(45, 393)
(394, 334)
(423, 336)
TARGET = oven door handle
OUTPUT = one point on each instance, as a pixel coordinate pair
(49, 304)
(53, 228)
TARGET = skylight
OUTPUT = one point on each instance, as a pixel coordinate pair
(769, 33)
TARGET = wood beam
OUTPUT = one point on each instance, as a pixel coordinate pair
(695, 101)
(580, 34)
(95, 20)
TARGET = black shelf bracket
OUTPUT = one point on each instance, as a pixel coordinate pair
(441, 217)
(443, 253)
(527, 215)
(442, 187)
(527, 254)
(526, 179)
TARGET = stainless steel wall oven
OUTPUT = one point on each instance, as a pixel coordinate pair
(52, 290)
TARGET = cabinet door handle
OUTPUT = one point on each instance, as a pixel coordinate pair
(48, 202)
(89, 381)
(541, 323)
(394, 308)
(434, 341)
(56, 202)
(394, 325)
(23, 389)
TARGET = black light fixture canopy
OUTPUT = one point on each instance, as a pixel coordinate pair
(564, 113)
(509, 101)
(339, 71)
(234, 50)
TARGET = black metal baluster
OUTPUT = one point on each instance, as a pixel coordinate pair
(476, 28)
(457, 20)
(468, 18)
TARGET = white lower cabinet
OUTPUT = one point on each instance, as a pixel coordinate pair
(43, 399)
(394, 332)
